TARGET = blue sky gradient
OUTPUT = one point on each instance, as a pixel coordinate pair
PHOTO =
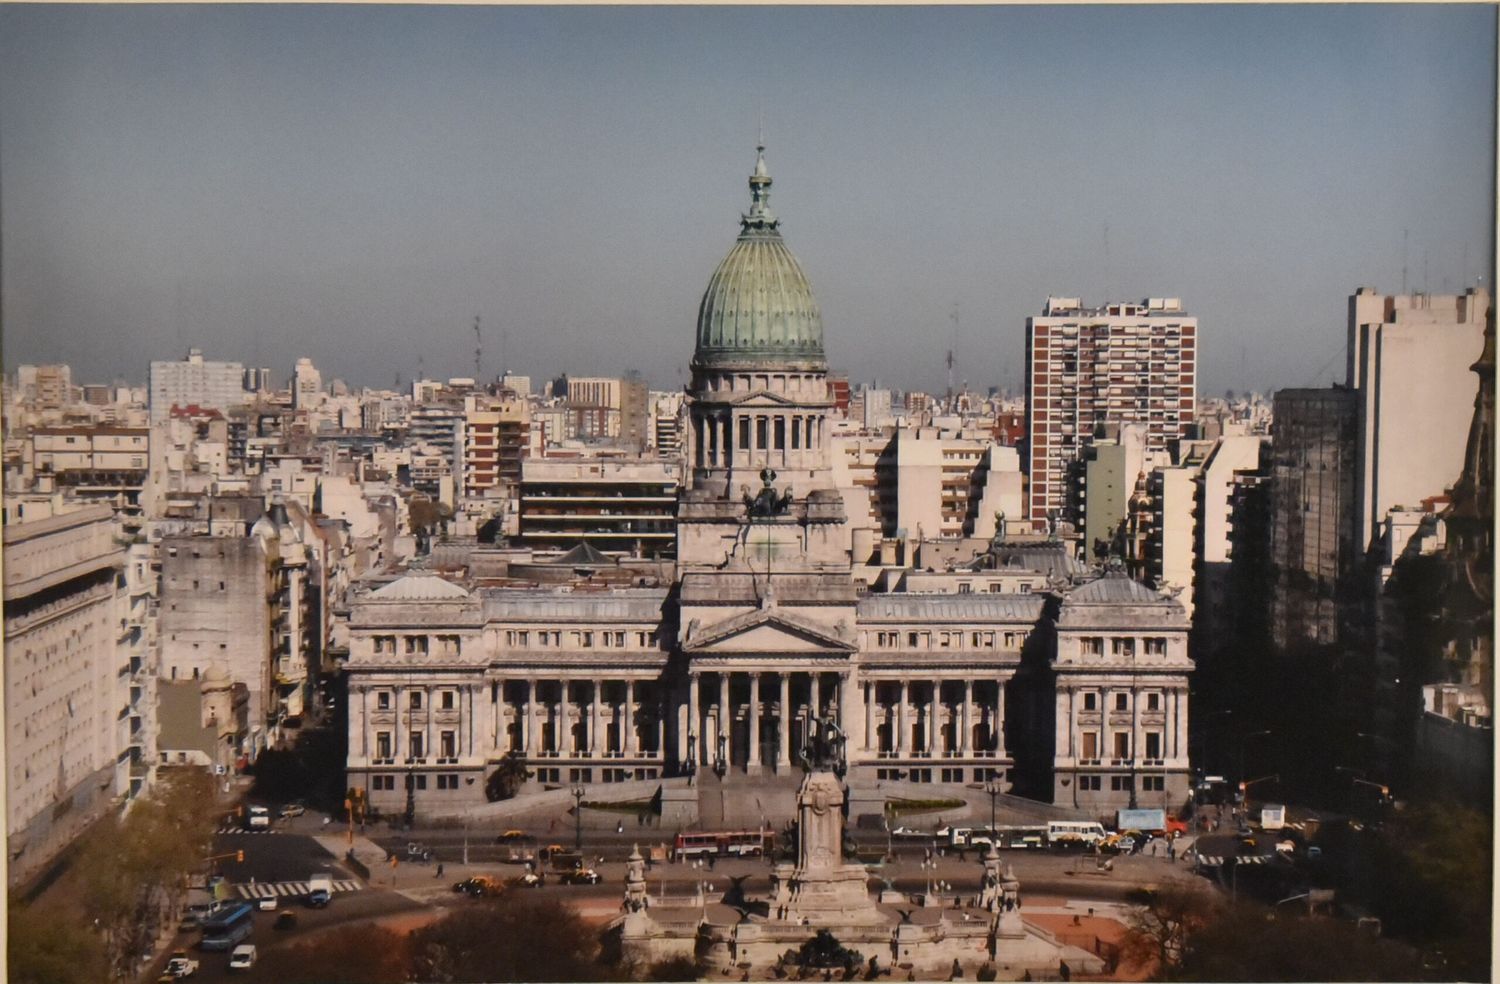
(354, 184)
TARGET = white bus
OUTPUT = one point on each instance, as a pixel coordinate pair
(1061, 833)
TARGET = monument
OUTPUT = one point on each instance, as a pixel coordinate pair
(821, 898)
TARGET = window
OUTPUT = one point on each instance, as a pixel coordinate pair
(1122, 744)
(1091, 646)
(382, 700)
(1156, 647)
(1153, 784)
(421, 782)
(1090, 701)
(1122, 647)
(447, 745)
(964, 587)
(1026, 587)
(449, 700)
(416, 645)
(1088, 783)
(417, 751)
(1153, 701)
(1153, 744)
(1122, 702)
(385, 782)
(383, 744)
(448, 781)
(996, 587)
(1121, 784)
(1090, 742)
(416, 700)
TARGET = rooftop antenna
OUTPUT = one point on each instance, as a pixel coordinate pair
(951, 347)
(478, 349)
(1108, 289)
(1424, 270)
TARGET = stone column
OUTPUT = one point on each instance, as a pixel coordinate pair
(695, 719)
(932, 713)
(966, 741)
(630, 743)
(725, 731)
(872, 737)
(903, 722)
(531, 724)
(752, 756)
(815, 695)
(841, 701)
(999, 719)
(784, 726)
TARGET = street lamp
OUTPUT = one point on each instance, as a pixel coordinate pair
(721, 764)
(692, 754)
(1245, 740)
(578, 794)
(993, 788)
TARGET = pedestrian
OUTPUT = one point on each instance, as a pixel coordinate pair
(439, 870)
(1171, 851)
(620, 827)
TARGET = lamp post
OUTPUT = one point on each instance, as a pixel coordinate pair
(993, 788)
(721, 763)
(1245, 740)
(692, 755)
(578, 794)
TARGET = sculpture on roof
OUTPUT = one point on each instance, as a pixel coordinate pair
(767, 502)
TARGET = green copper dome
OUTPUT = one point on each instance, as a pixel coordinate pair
(759, 310)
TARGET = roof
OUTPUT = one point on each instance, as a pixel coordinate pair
(584, 555)
(547, 605)
(1113, 589)
(420, 587)
(759, 307)
(900, 606)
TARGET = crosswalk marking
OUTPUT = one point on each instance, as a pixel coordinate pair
(289, 889)
(1210, 860)
(232, 828)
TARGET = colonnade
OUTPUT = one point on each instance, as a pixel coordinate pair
(950, 717)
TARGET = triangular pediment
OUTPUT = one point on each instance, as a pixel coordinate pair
(765, 631)
(762, 398)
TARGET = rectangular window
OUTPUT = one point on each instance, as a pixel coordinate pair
(416, 700)
(1122, 744)
(1090, 744)
(744, 433)
(1153, 702)
(417, 751)
(1091, 646)
(1156, 647)
(385, 645)
(1122, 646)
(1120, 784)
(421, 782)
(449, 700)
(448, 744)
(780, 434)
(383, 744)
(760, 433)
(1090, 701)
(1153, 744)
(1089, 783)
(1122, 702)
(964, 587)
(382, 700)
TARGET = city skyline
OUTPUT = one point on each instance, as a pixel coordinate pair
(355, 185)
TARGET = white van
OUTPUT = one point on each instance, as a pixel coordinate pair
(257, 817)
(243, 957)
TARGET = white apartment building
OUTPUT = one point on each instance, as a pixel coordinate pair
(307, 386)
(195, 381)
(1408, 359)
(71, 728)
(1086, 367)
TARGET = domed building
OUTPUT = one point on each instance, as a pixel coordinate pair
(946, 677)
(759, 395)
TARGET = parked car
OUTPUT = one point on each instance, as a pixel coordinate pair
(180, 965)
(480, 887)
(243, 957)
(580, 876)
(529, 880)
(267, 904)
(511, 836)
(293, 810)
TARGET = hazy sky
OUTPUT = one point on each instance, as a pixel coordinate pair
(355, 184)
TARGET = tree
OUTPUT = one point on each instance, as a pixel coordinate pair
(673, 969)
(366, 954)
(47, 946)
(1159, 925)
(1251, 943)
(507, 778)
(532, 940)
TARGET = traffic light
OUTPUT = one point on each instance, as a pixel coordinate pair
(239, 856)
(1242, 789)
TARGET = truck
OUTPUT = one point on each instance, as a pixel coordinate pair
(1146, 821)
(1272, 816)
(319, 890)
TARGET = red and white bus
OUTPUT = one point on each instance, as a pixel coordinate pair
(731, 843)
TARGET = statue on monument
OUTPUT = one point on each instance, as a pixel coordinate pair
(824, 751)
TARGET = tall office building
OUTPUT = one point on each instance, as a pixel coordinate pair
(1088, 367)
(1409, 359)
(307, 385)
(195, 382)
(1312, 511)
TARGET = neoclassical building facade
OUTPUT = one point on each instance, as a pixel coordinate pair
(762, 624)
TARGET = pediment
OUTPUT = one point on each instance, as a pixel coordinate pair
(763, 398)
(765, 631)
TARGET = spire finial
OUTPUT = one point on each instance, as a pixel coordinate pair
(760, 215)
(760, 133)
